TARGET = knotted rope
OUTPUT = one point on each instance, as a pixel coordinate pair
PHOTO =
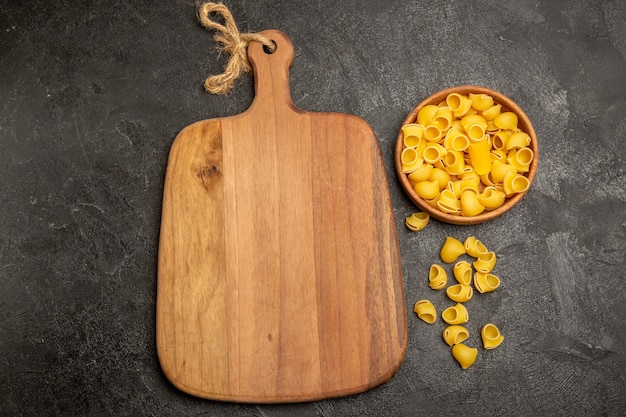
(233, 43)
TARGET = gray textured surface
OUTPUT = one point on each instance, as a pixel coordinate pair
(93, 93)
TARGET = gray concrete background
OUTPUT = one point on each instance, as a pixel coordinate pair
(93, 93)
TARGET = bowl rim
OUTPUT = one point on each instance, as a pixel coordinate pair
(524, 124)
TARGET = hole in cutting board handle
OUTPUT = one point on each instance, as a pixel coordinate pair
(267, 50)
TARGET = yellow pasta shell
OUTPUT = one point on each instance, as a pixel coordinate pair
(443, 118)
(470, 183)
(492, 338)
(426, 311)
(437, 284)
(487, 180)
(498, 155)
(433, 152)
(485, 262)
(462, 271)
(506, 121)
(464, 355)
(410, 160)
(412, 134)
(427, 189)
(499, 139)
(455, 334)
(474, 247)
(455, 187)
(470, 205)
(426, 114)
(480, 156)
(517, 140)
(451, 250)
(420, 174)
(473, 119)
(456, 125)
(470, 173)
(432, 133)
(500, 169)
(459, 293)
(414, 142)
(433, 201)
(515, 183)
(450, 209)
(475, 133)
(437, 277)
(491, 127)
(459, 104)
(454, 162)
(485, 282)
(441, 176)
(447, 198)
(456, 140)
(492, 112)
(417, 221)
(456, 314)
(450, 206)
(520, 158)
(491, 198)
(481, 102)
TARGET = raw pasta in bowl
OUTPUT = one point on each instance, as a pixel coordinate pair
(466, 154)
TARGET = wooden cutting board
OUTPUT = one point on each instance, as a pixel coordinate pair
(279, 275)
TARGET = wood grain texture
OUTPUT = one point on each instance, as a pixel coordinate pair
(279, 274)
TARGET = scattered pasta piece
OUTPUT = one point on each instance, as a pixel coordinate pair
(463, 272)
(451, 250)
(456, 314)
(455, 334)
(437, 277)
(485, 282)
(491, 336)
(464, 355)
(417, 221)
(426, 311)
(485, 262)
(474, 247)
(460, 293)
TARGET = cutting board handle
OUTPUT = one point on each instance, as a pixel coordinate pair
(271, 72)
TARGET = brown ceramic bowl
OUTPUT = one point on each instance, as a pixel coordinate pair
(523, 124)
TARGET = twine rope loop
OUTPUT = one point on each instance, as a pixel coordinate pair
(232, 42)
